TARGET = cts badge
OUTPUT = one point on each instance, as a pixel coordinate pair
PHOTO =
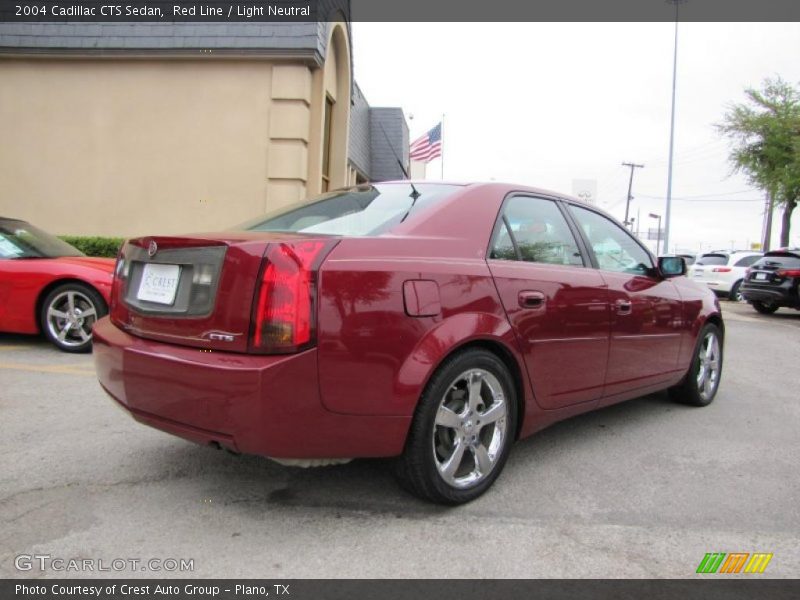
(221, 337)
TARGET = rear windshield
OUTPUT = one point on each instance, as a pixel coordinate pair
(713, 259)
(358, 211)
(19, 239)
(780, 260)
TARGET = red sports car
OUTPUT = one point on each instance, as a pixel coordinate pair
(48, 286)
(430, 321)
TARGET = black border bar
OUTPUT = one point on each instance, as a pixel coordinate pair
(742, 587)
(236, 11)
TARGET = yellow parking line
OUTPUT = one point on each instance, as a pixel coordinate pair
(15, 348)
(62, 369)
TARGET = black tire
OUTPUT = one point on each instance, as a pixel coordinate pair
(68, 314)
(422, 467)
(765, 308)
(735, 295)
(694, 389)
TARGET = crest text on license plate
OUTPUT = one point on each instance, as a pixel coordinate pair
(159, 283)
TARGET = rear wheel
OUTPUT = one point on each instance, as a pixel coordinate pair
(736, 293)
(765, 308)
(462, 431)
(68, 314)
(701, 383)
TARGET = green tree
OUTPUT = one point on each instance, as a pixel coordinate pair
(765, 133)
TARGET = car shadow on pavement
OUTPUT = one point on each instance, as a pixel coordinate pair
(251, 485)
(571, 434)
(784, 313)
(19, 339)
(744, 309)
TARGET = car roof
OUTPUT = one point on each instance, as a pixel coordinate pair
(731, 252)
(784, 252)
(497, 186)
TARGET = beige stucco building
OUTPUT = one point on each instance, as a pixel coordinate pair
(126, 129)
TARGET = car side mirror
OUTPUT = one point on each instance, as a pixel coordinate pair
(671, 266)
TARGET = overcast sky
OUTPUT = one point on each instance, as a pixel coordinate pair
(545, 103)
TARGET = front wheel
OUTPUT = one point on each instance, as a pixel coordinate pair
(701, 383)
(462, 431)
(68, 314)
(765, 308)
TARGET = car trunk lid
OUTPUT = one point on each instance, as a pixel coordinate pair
(774, 269)
(193, 290)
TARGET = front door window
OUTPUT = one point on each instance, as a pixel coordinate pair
(615, 248)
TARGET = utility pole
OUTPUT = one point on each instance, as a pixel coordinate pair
(668, 216)
(630, 188)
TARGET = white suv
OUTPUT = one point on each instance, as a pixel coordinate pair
(723, 271)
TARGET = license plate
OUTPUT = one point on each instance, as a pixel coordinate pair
(159, 283)
(761, 276)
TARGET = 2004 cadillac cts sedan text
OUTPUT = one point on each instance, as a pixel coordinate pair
(433, 322)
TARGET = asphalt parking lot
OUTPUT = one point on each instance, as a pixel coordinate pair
(642, 489)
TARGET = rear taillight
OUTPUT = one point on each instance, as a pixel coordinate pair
(283, 313)
(120, 272)
(789, 273)
(721, 270)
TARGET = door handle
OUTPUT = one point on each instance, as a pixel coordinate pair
(624, 307)
(532, 300)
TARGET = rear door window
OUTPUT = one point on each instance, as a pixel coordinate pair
(747, 261)
(535, 230)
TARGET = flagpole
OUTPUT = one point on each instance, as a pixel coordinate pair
(442, 132)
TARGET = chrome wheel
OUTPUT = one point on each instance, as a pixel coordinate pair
(463, 429)
(470, 428)
(708, 369)
(736, 293)
(69, 318)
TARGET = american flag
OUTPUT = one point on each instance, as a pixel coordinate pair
(429, 146)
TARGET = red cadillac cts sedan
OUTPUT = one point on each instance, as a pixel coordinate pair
(434, 322)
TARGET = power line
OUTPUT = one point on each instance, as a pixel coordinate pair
(691, 154)
(718, 199)
(701, 199)
(720, 194)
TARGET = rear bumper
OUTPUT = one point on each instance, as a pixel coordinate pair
(781, 297)
(265, 405)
